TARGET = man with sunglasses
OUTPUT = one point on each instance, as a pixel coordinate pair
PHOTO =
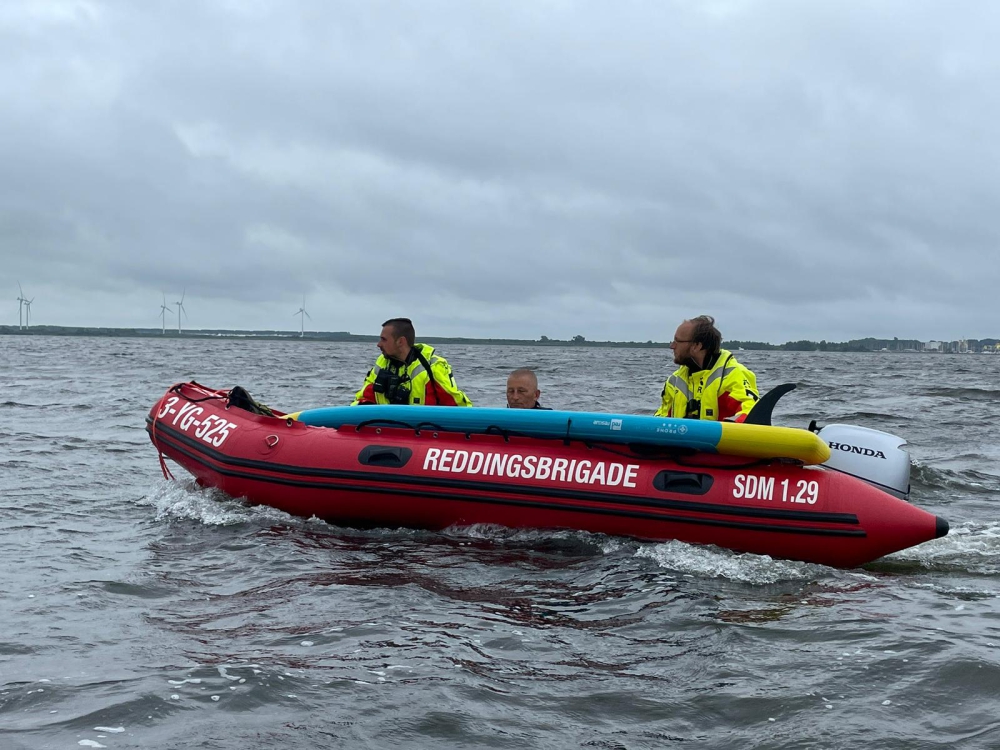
(710, 383)
(409, 373)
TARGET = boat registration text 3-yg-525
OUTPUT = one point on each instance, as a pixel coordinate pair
(189, 418)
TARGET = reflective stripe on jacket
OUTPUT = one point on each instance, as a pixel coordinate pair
(725, 390)
(440, 391)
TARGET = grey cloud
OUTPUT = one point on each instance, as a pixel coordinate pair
(500, 169)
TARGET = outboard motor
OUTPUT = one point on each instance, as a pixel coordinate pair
(873, 456)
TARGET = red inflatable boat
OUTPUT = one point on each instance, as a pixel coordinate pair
(416, 475)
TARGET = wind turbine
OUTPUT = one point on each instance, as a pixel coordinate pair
(163, 314)
(27, 312)
(303, 315)
(180, 309)
(20, 305)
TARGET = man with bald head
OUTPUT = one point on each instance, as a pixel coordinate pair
(522, 390)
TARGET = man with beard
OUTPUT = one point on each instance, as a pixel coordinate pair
(409, 373)
(710, 383)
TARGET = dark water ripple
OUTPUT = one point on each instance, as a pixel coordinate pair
(142, 613)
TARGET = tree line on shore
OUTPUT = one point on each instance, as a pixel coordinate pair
(855, 345)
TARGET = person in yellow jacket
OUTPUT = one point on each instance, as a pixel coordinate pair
(408, 372)
(710, 383)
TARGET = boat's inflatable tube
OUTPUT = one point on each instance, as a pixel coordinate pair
(409, 472)
(749, 440)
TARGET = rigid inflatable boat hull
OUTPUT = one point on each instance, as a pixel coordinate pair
(433, 479)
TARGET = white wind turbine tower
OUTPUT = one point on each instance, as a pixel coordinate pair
(20, 305)
(180, 309)
(303, 315)
(27, 312)
(163, 314)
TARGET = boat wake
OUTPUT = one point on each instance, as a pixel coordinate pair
(186, 501)
(560, 541)
(966, 481)
(973, 547)
(714, 562)
(678, 557)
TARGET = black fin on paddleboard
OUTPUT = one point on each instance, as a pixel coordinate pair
(761, 412)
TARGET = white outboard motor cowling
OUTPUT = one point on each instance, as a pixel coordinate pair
(876, 457)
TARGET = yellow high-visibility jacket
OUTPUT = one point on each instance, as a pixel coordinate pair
(724, 390)
(412, 383)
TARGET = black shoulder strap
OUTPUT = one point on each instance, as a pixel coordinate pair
(426, 364)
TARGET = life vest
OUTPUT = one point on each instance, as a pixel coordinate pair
(425, 379)
(726, 389)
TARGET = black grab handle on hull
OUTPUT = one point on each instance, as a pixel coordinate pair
(384, 455)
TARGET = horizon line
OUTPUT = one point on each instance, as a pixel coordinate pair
(146, 331)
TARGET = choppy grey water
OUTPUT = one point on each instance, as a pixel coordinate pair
(141, 613)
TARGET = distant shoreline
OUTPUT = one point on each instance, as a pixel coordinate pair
(312, 336)
(857, 345)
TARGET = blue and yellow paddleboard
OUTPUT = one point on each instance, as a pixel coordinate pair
(748, 440)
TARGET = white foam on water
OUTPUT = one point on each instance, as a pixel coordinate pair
(719, 563)
(481, 531)
(964, 541)
(614, 544)
(224, 673)
(498, 533)
(185, 501)
(91, 743)
(110, 730)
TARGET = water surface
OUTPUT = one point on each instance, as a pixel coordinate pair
(143, 613)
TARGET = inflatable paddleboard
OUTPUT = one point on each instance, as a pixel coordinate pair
(727, 438)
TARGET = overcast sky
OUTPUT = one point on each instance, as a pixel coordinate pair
(822, 170)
